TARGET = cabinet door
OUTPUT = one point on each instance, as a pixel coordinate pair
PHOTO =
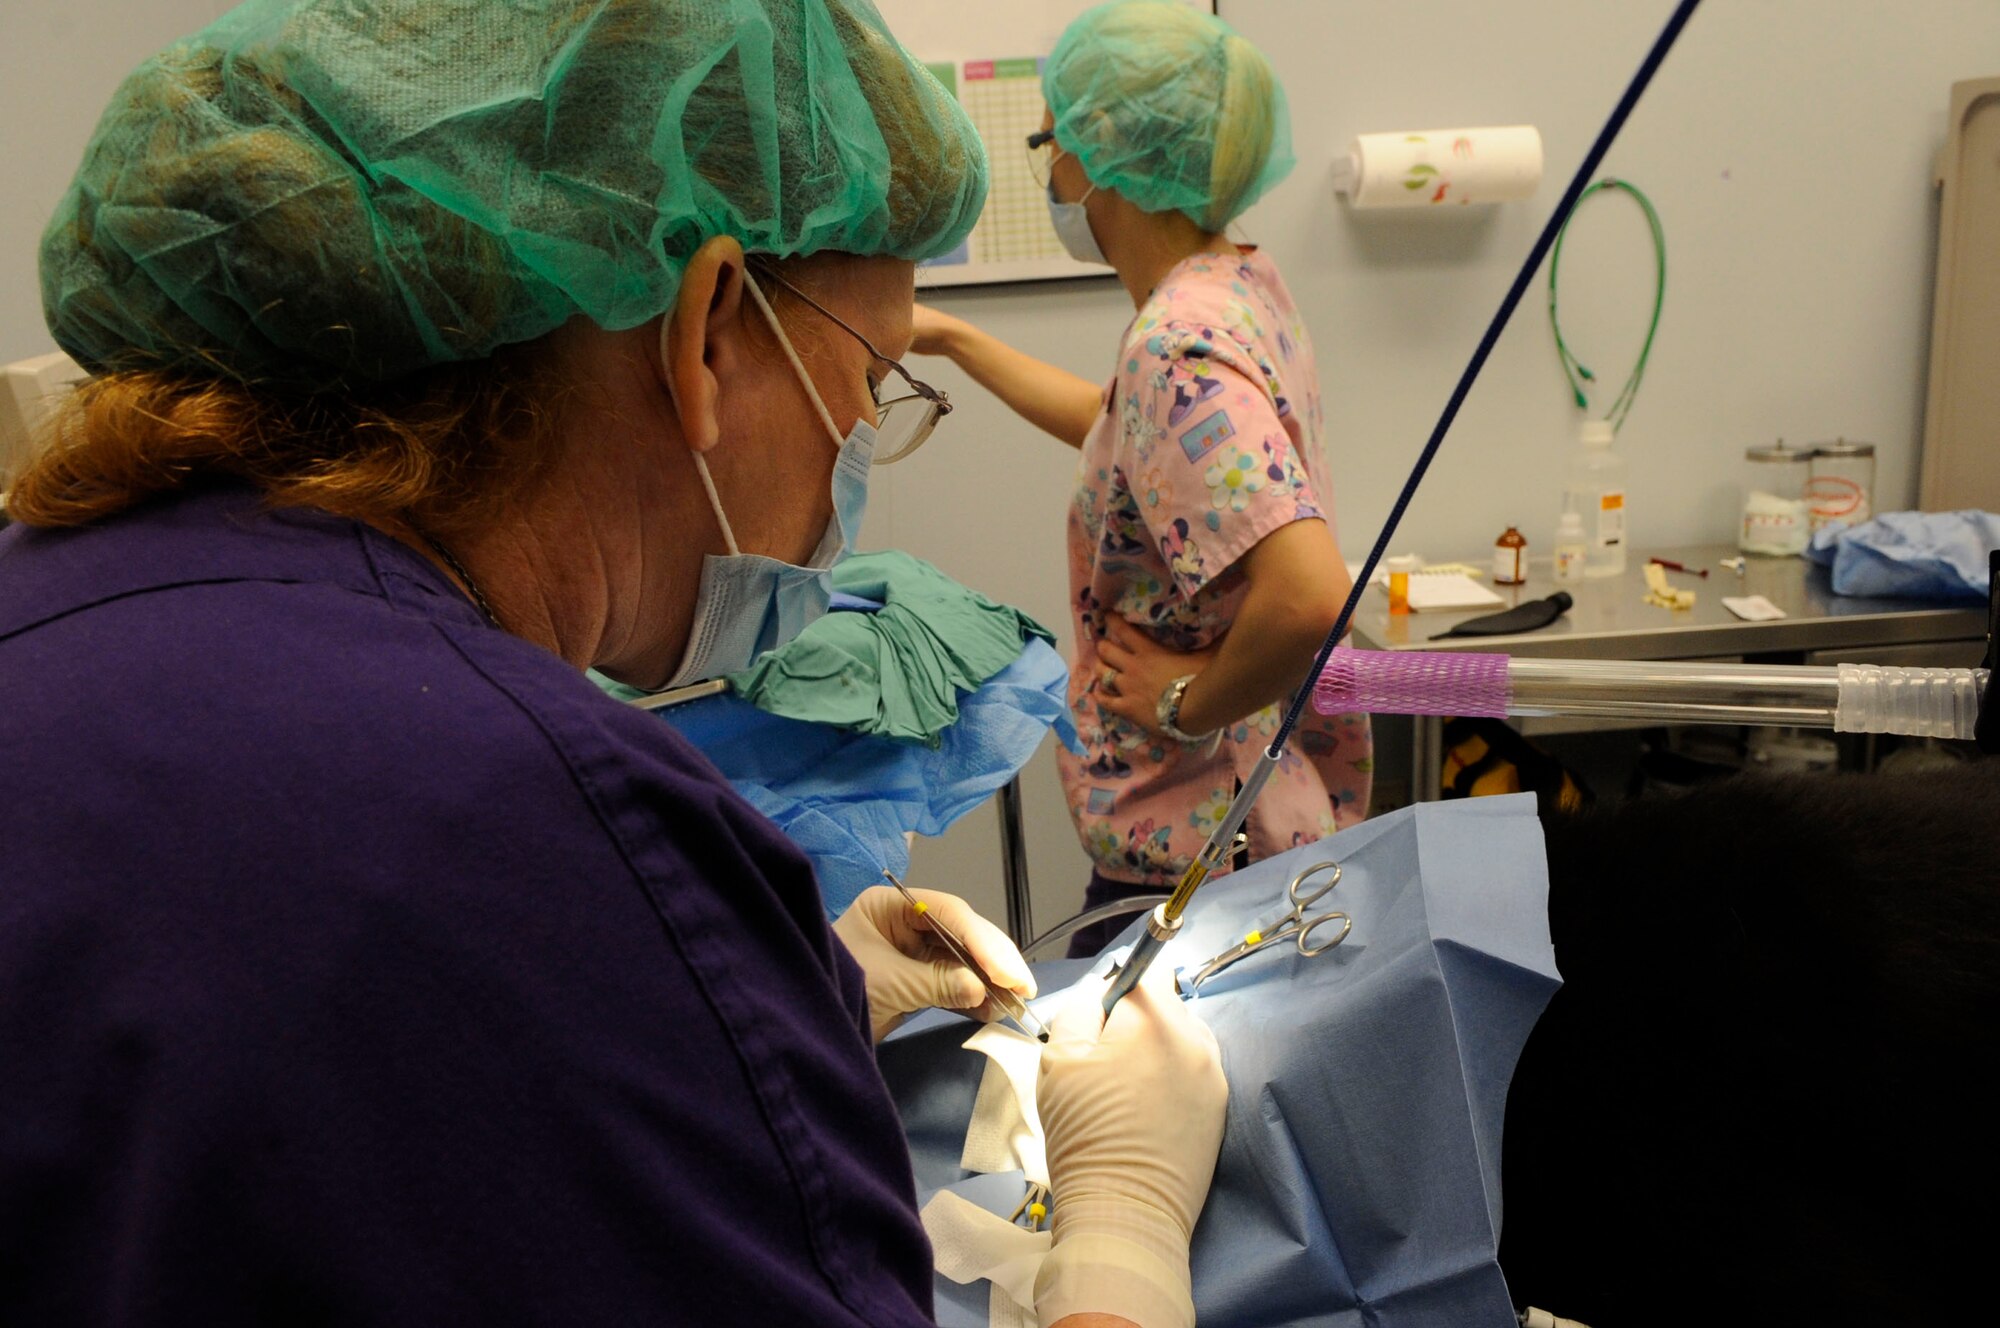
(1961, 466)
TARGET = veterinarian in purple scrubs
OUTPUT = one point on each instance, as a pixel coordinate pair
(360, 961)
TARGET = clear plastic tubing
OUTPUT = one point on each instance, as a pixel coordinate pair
(1848, 698)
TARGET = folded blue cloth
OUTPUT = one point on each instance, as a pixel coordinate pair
(1359, 1182)
(848, 799)
(1910, 555)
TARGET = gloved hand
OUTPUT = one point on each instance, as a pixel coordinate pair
(1133, 1109)
(907, 970)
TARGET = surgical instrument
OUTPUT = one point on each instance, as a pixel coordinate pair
(1003, 1000)
(1165, 921)
(1294, 926)
(1034, 1206)
(1068, 927)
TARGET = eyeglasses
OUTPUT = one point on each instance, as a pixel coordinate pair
(1042, 155)
(902, 424)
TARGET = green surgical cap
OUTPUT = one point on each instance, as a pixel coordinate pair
(356, 189)
(1168, 106)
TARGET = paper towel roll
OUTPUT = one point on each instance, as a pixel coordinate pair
(1432, 167)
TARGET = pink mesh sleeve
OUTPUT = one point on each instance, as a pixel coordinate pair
(1383, 682)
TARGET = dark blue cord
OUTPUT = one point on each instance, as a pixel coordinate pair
(1591, 161)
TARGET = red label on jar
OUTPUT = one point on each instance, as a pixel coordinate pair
(1832, 496)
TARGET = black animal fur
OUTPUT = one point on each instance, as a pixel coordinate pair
(1767, 1090)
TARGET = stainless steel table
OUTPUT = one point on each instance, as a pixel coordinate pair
(1610, 620)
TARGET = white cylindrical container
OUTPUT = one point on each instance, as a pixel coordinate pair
(1572, 548)
(1596, 491)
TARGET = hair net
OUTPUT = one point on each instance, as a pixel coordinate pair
(1169, 107)
(316, 188)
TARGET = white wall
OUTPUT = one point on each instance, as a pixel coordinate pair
(1787, 143)
(59, 63)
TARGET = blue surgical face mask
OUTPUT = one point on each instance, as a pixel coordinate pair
(749, 603)
(1072, 225)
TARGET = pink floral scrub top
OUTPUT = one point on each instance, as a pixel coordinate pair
(1211, 439)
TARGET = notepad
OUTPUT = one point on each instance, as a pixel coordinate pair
(1439, 589)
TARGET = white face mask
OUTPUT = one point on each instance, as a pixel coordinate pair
(1072, 225)
(749, 603)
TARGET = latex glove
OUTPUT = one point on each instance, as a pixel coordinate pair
(907, 970)
(1133, 1112)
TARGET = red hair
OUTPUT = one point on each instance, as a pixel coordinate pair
(441, 448)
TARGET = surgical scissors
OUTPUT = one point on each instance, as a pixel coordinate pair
(1294, 926)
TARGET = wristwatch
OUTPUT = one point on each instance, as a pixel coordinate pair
(1168, 712)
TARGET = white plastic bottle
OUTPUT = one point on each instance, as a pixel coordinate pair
(1596, 491)
(1572, 547)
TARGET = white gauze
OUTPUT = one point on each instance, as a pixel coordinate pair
(1005, 1133)
(968, 1244)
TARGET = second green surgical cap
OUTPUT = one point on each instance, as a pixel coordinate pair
(1168, 106)
(356, 189)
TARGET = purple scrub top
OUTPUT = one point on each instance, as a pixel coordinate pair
(363, 964)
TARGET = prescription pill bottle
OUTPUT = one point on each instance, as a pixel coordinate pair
(1510, 558)
(1399, 569)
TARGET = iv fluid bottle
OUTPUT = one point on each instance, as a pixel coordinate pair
(1596, 491)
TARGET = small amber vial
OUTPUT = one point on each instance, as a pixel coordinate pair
(1400, 568)
(1510, 558)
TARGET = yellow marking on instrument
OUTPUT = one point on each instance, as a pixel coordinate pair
(1253, 938)
(1197, 872)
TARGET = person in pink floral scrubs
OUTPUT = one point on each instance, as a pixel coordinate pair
(1203, 565)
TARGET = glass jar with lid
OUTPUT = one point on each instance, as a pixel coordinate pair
(1776, 515)
(1842, 487)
